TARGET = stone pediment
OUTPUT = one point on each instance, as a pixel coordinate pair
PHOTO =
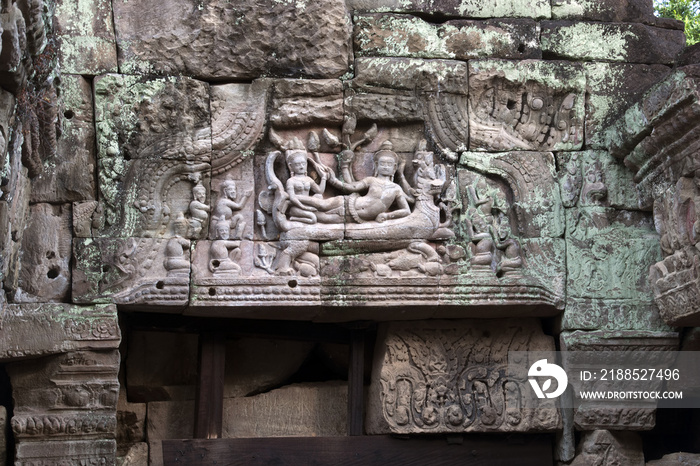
(292, 194)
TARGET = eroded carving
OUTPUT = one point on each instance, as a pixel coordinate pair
(451, 377)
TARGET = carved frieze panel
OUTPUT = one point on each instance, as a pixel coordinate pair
(154, 142)
(526, 105)
(132, 271)
(594, 178)
(450, 376)
(609, 414)
(64, 327)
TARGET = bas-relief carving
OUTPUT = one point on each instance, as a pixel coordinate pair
(513, 106)
(604, 448)
(451, 377)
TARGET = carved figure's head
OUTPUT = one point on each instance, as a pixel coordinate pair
(180, 225)
(228, 189)
(297, 161)
(385, 160)
(199, 192)
(223, 228)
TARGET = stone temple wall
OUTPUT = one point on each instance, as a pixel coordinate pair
(453, 171)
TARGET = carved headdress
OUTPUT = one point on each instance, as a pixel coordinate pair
(293, 148)
(385, 150)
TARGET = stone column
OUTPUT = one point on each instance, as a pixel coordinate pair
(63, 363)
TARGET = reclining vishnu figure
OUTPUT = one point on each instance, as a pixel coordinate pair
(382, 193)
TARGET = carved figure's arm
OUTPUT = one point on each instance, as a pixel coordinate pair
(403, 210)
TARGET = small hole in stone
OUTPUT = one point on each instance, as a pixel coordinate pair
(215, 263)
(212, 291)
(68, 114)
(53, 273)
(292, 283)
(160, 285)
(50, 254)
(521, 48)
(486, 334)
(510, 104)
(499, 274)
(105, 268)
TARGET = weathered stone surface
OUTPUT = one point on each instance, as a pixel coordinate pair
(131, 427)
(46, 250)
(86, 32)
(408, 74)
(223, 40)
(136, 456)
(526, 105)
(62, 328)
(4, 432)
(612, 89)
(167, 420)
(531, 177)
(690, 56)
(69, 174)
(131, 271)
(631, 11)
(677, 459)
(631, 43)
(67, 452)
(609, 448)
(461, 8)
(154, 143)
(300, 102)
(13, 73)
(409, 36)
(447, 376)
(608, 414)
(299, 410)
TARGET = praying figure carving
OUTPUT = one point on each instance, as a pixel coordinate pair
(224, 252)
(176, 264)
(225, 207)
(199, 210)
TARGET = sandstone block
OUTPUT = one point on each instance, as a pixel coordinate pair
(63, 328)
(87, 37)
(154, 150)
(68, 174)
(612, 89)
(446, 376)
(241, 40)
(167, 420)
(605, 447)
(677, 459)
(625, 42)
(299, 410)
(298, 102)
(131, 427)
(465, 9)
(630, 11)
(408, 36)
(46, 250)
(526, 105)
(411, 74)
(136, 456)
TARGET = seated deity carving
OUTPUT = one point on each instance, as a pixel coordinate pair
(223, 252)
(176, 264)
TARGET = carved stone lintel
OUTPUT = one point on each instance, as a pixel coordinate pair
(448, 376)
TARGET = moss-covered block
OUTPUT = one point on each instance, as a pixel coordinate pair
(392, 35)
(86, 30)
(622, 42)
(459, 8)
